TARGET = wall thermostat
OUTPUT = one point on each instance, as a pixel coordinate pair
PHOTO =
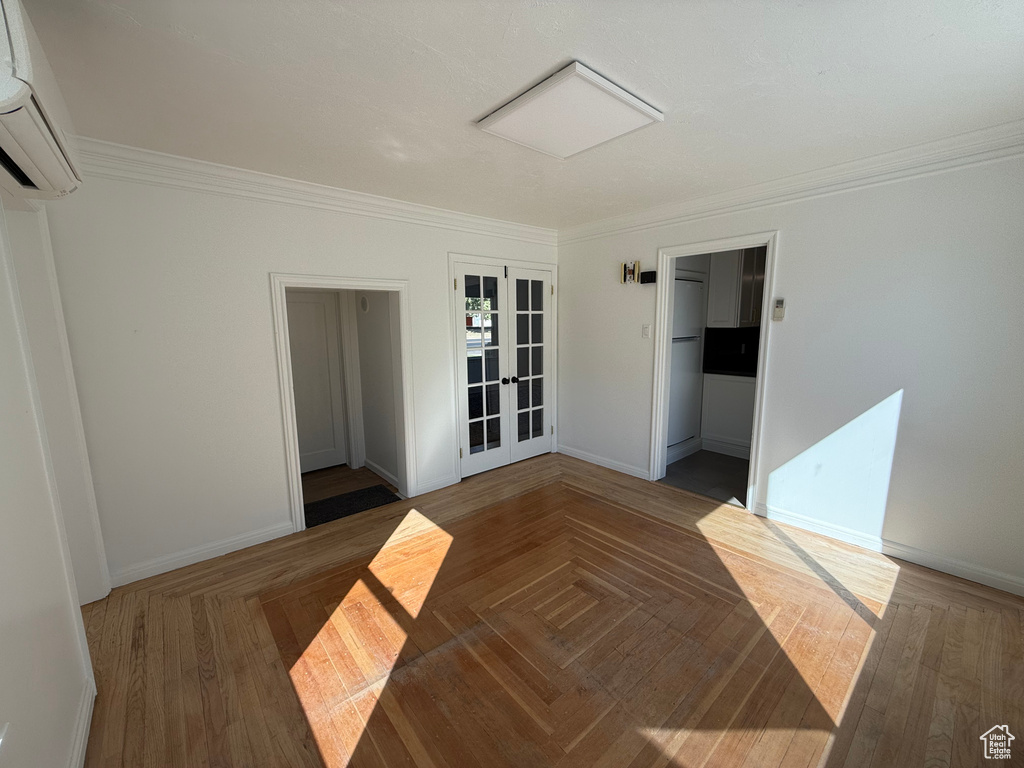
(778, 309)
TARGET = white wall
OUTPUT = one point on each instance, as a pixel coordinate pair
(46, 689)
(377, 368)
(916, 286)
(167, 297)
(44, 320)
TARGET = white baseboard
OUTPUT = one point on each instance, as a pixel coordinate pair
(1004, 581)
(683, 449)
(618, 466)
(83, 720)
(842, 533)
(166, 563)
(739, 450)
(991, 578)
(377, 469)
(436, 485)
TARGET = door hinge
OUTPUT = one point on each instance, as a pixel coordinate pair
(455, 283)
(552, 290)
(506, 273)
(552, 429)
(460, 453)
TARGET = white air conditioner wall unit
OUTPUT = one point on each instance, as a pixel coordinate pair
(36, 156)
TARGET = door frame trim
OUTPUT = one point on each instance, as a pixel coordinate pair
(454, 311)
(405, 428)
(662, 333)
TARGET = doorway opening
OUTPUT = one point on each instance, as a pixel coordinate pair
(711, 343)
(344, 382)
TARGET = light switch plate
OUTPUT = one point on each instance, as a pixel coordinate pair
(645, 331)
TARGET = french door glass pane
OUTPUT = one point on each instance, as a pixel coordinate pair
(491, 364)
(523, 394)
(493, 433)
(537, 291)
(538, 391)
(474, 331)
(491, 292)
(524, 426)
(538, 360)
(476, 402)
(522, 329)
(472, 287)
(474, 367)
(522, 295)
(538, 328)
(493, 400)
(523, 369)
(476, 436)
(538, 422)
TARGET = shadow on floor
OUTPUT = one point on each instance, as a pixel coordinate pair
(558, 628)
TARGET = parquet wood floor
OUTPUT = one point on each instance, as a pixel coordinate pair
(553, 613)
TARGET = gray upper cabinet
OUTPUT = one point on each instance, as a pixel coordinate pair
(736, 288)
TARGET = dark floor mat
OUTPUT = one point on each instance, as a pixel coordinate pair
(336, 507)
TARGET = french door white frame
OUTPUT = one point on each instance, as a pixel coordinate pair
(456, 309)
(663, 341)
(279, 283)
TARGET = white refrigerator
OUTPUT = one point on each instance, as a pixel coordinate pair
(686, 369)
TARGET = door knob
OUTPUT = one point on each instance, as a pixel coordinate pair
(515, 379)
(505, 380)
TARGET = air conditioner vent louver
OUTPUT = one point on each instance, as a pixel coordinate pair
(36, 159)
(12, 168)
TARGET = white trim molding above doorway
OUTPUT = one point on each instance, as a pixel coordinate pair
(662, 341)
(279, 284)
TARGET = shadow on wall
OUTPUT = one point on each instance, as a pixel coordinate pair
(842, 481)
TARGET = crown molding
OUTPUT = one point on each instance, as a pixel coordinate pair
(986, 145)
(103, 159)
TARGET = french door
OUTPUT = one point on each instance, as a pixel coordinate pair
(504, 364)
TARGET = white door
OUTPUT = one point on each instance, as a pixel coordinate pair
(316, 378)
(685, 391)
(504, 364)
(688, 309)
(686, 369)
(529, 296)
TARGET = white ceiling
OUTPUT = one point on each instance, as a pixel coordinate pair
(381, 96)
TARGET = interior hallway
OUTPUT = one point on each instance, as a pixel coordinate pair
(334, 481)
(551, 613)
